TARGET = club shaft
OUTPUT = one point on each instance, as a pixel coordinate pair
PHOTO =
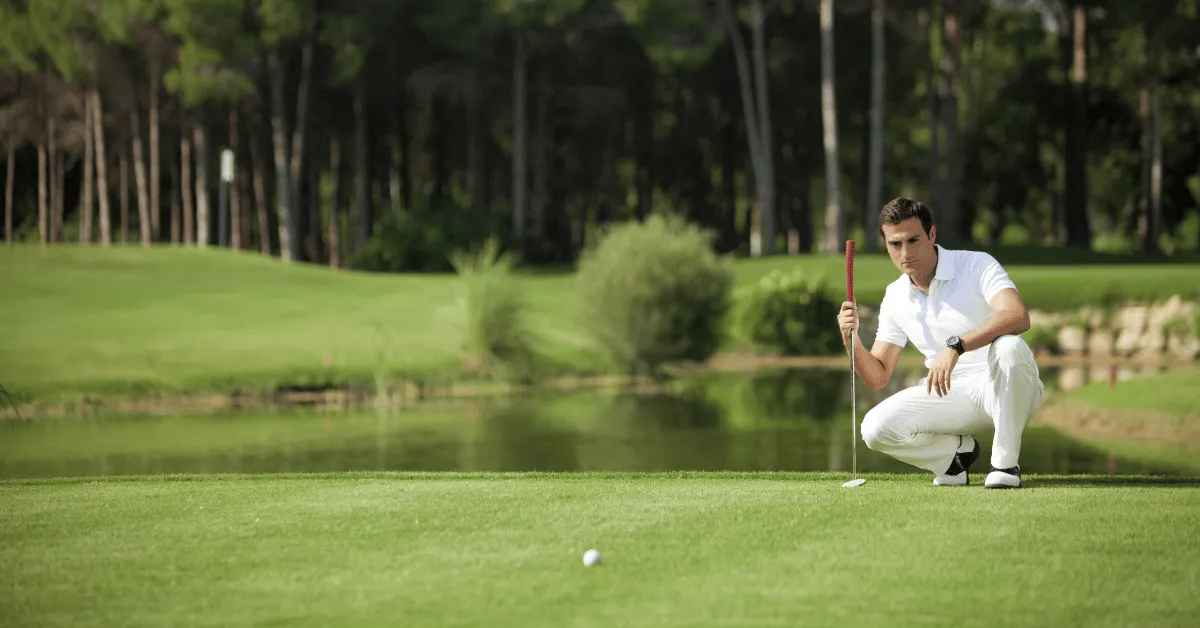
(853, 413)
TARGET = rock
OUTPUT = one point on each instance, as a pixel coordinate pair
(1183, 346)
(1127, 342)
(1152, 342)
(1100, 344)
(1038, 317)
(1132, 318)
(1072, 340)
(1071, 378)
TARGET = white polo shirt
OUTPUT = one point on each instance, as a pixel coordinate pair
(962, 286)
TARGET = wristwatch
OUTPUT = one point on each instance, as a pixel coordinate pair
(956, 343)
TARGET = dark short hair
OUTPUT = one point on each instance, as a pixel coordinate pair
(900, 209)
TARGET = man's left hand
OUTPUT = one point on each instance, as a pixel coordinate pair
(939, 373)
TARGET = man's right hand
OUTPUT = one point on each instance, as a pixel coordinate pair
(848, 320)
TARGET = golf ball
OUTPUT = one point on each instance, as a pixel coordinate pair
(591, 557)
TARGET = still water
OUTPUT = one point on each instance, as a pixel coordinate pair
(794, 420)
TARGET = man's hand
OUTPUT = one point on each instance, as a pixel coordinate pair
(939, 373)
(848, 320)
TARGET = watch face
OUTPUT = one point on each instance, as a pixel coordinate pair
(952, 341)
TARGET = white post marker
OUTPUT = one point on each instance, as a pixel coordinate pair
(227, 165)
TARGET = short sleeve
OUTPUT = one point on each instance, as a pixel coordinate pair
(991, 277)
(888, 330)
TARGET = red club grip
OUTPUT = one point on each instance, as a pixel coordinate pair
(850, 270)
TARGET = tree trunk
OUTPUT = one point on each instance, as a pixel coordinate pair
(394, 165)
(952, 70)
(875, 174)
(289, 244)
(52, 174)
(176, 193)
(185, 190)
(10, 169)
(519, 143)
(541, 158)
(87, 204)
(313, 238)
(123, 193)
(258, 164)
(362, 208)
(155, 182)
(60, 193)
(203, 211)
(43, 195)
(834, 220)
(750, 110)
(1077, 223)
(101, 169)
(335, 178)
(932, 104)
(235, 186)
(298, 135)
(766, 143)
(475, 172)
(146, 228)
(1151, 201)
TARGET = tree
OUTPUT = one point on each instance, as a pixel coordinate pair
(835, 220)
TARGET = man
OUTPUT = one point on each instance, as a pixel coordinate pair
(961, 310)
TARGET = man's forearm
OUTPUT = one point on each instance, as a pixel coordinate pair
(999, 324)
(868, 367)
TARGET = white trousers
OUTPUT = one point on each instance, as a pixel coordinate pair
(924, 430)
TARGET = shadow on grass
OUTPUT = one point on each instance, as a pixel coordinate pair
(1096, 481)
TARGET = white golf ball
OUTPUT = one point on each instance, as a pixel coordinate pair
(591, 557)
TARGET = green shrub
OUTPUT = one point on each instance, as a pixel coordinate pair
(790, 313)
(422, 238)
(1042, 337)
(498, 341)
(654, 292)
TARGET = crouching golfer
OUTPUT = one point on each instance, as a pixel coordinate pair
(962, 311)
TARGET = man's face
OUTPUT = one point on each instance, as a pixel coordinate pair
(911, 249)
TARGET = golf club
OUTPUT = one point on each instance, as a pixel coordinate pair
(853, 409)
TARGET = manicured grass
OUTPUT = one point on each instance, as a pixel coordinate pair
(128, 320)
(1174, 392)
(677, 550)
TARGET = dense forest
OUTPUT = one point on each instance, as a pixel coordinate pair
(384, 133)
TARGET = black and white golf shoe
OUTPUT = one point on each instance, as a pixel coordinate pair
(1004, 478)
(960, 467)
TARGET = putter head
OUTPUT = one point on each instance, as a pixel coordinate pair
(854, 483)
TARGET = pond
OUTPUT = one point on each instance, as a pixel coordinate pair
(786, 419)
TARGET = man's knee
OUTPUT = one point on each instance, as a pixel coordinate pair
(1011, 351)
(879, 428)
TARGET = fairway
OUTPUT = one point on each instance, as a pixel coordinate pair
(124, 321)
(678, 550)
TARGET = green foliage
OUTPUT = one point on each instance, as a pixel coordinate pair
(421, 238)
(1042, 337)
(791, 313)
(498, 340)
(655, 292)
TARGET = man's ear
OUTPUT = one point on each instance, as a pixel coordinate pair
(932, 234)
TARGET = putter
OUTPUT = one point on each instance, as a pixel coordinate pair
(853, 397)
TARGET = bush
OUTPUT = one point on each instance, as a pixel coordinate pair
(1042, 337)
(791, 314)
(423, 238)
(498, 341)
(655, 292)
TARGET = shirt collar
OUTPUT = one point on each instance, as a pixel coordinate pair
(945, 267)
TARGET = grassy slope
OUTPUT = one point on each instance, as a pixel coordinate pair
(1157, 416)
(127, 319)
(678, 550)
(1173, 392)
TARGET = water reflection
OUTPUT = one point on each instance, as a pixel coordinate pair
(796, 420)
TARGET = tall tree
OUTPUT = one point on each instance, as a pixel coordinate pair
(835, 220)
(875, 170)
(1077, 225)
